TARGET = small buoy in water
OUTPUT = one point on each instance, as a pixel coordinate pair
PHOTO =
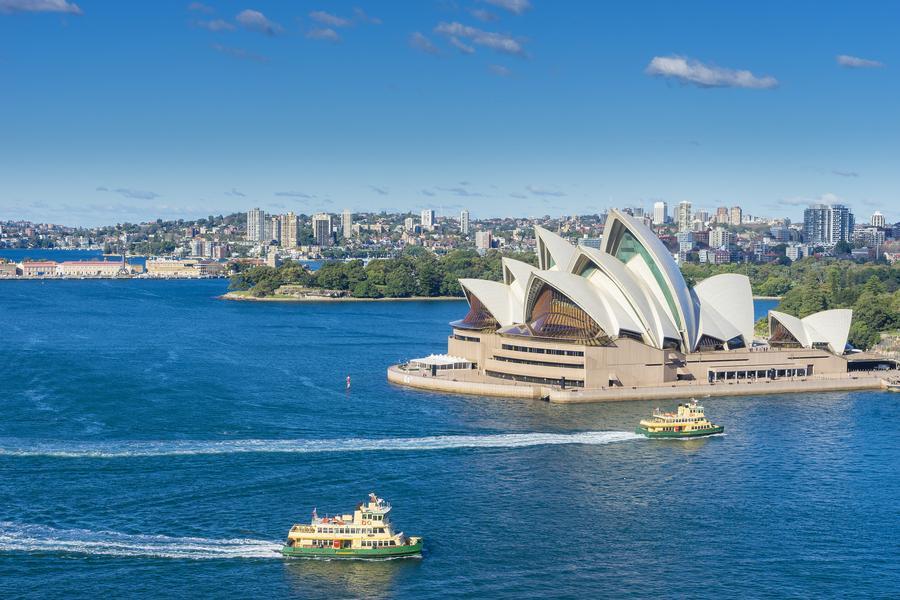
(348, 382)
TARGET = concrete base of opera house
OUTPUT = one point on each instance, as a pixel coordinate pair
(471, 382)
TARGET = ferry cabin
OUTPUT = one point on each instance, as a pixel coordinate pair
(368, 527)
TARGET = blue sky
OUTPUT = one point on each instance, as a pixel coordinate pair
(115, 110)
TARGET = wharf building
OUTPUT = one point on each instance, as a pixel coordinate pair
(623, 317)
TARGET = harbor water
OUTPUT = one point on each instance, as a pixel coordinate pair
(159, 442)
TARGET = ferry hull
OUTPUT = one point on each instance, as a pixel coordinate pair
(384, 552)
(679, 434)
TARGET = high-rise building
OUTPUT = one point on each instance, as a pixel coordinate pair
(409, 224)
(823, 224)
(719, 237)
(660, 213)
(483, 240)
(722, 215)
(256, 225)
(877, 219)
(841, 224)
(290, 230)
(347, 224)
(464, 222)
(321, 226)
(428, 219)
(274, 229)
(683, 216)
(736, 216)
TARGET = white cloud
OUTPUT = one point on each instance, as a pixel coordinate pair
(240, 53)
(485, 16)
(323, 33)
(256, 21)
(542, 191)
(130, 193)
(420, 42)
(325, 18)
(499, 70)
(294, 194)
(827, 198)
(464, 48)
(701, 75)
(461, 191)
(216, 25)
(361, 15)
(200, 7)
(514, 6)
(489, 39)
(855, 62)
(54, 6)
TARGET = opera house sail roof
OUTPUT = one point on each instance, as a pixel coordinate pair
(630, 288)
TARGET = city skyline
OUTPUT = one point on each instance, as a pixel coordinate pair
(505, 108)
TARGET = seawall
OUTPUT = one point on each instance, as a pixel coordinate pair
(455, 386)
(471, 384)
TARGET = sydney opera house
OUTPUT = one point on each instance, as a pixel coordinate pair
(623, 316)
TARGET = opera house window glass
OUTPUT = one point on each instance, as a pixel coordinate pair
(781, 337)
(478, 316)
(555, 316)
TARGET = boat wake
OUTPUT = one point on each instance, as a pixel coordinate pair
(16, 537)
(128, 449)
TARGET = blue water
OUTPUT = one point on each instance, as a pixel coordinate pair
(158, 442)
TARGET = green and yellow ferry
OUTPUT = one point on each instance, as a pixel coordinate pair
(367, 533)
(688, 422)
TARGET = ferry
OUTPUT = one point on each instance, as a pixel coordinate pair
(367, 533)
(688, 422)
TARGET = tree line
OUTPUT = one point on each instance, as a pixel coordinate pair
(417, 272)
(805, 286)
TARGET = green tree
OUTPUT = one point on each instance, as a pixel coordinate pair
(401, 283)
(332, 276)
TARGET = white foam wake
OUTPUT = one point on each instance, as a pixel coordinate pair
(15, 537)
(125, 449)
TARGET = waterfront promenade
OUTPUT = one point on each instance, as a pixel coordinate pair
(470, 382)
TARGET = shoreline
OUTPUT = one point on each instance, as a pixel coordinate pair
(555, 395)
(768, 297)
(237, 297)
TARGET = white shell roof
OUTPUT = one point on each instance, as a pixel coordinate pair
(558, 248)
(516, 275)
(646, 308)
(620, 296)
(598, 303)
(663, 260)
(495, 296)
(830, 327)
(726, 307)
